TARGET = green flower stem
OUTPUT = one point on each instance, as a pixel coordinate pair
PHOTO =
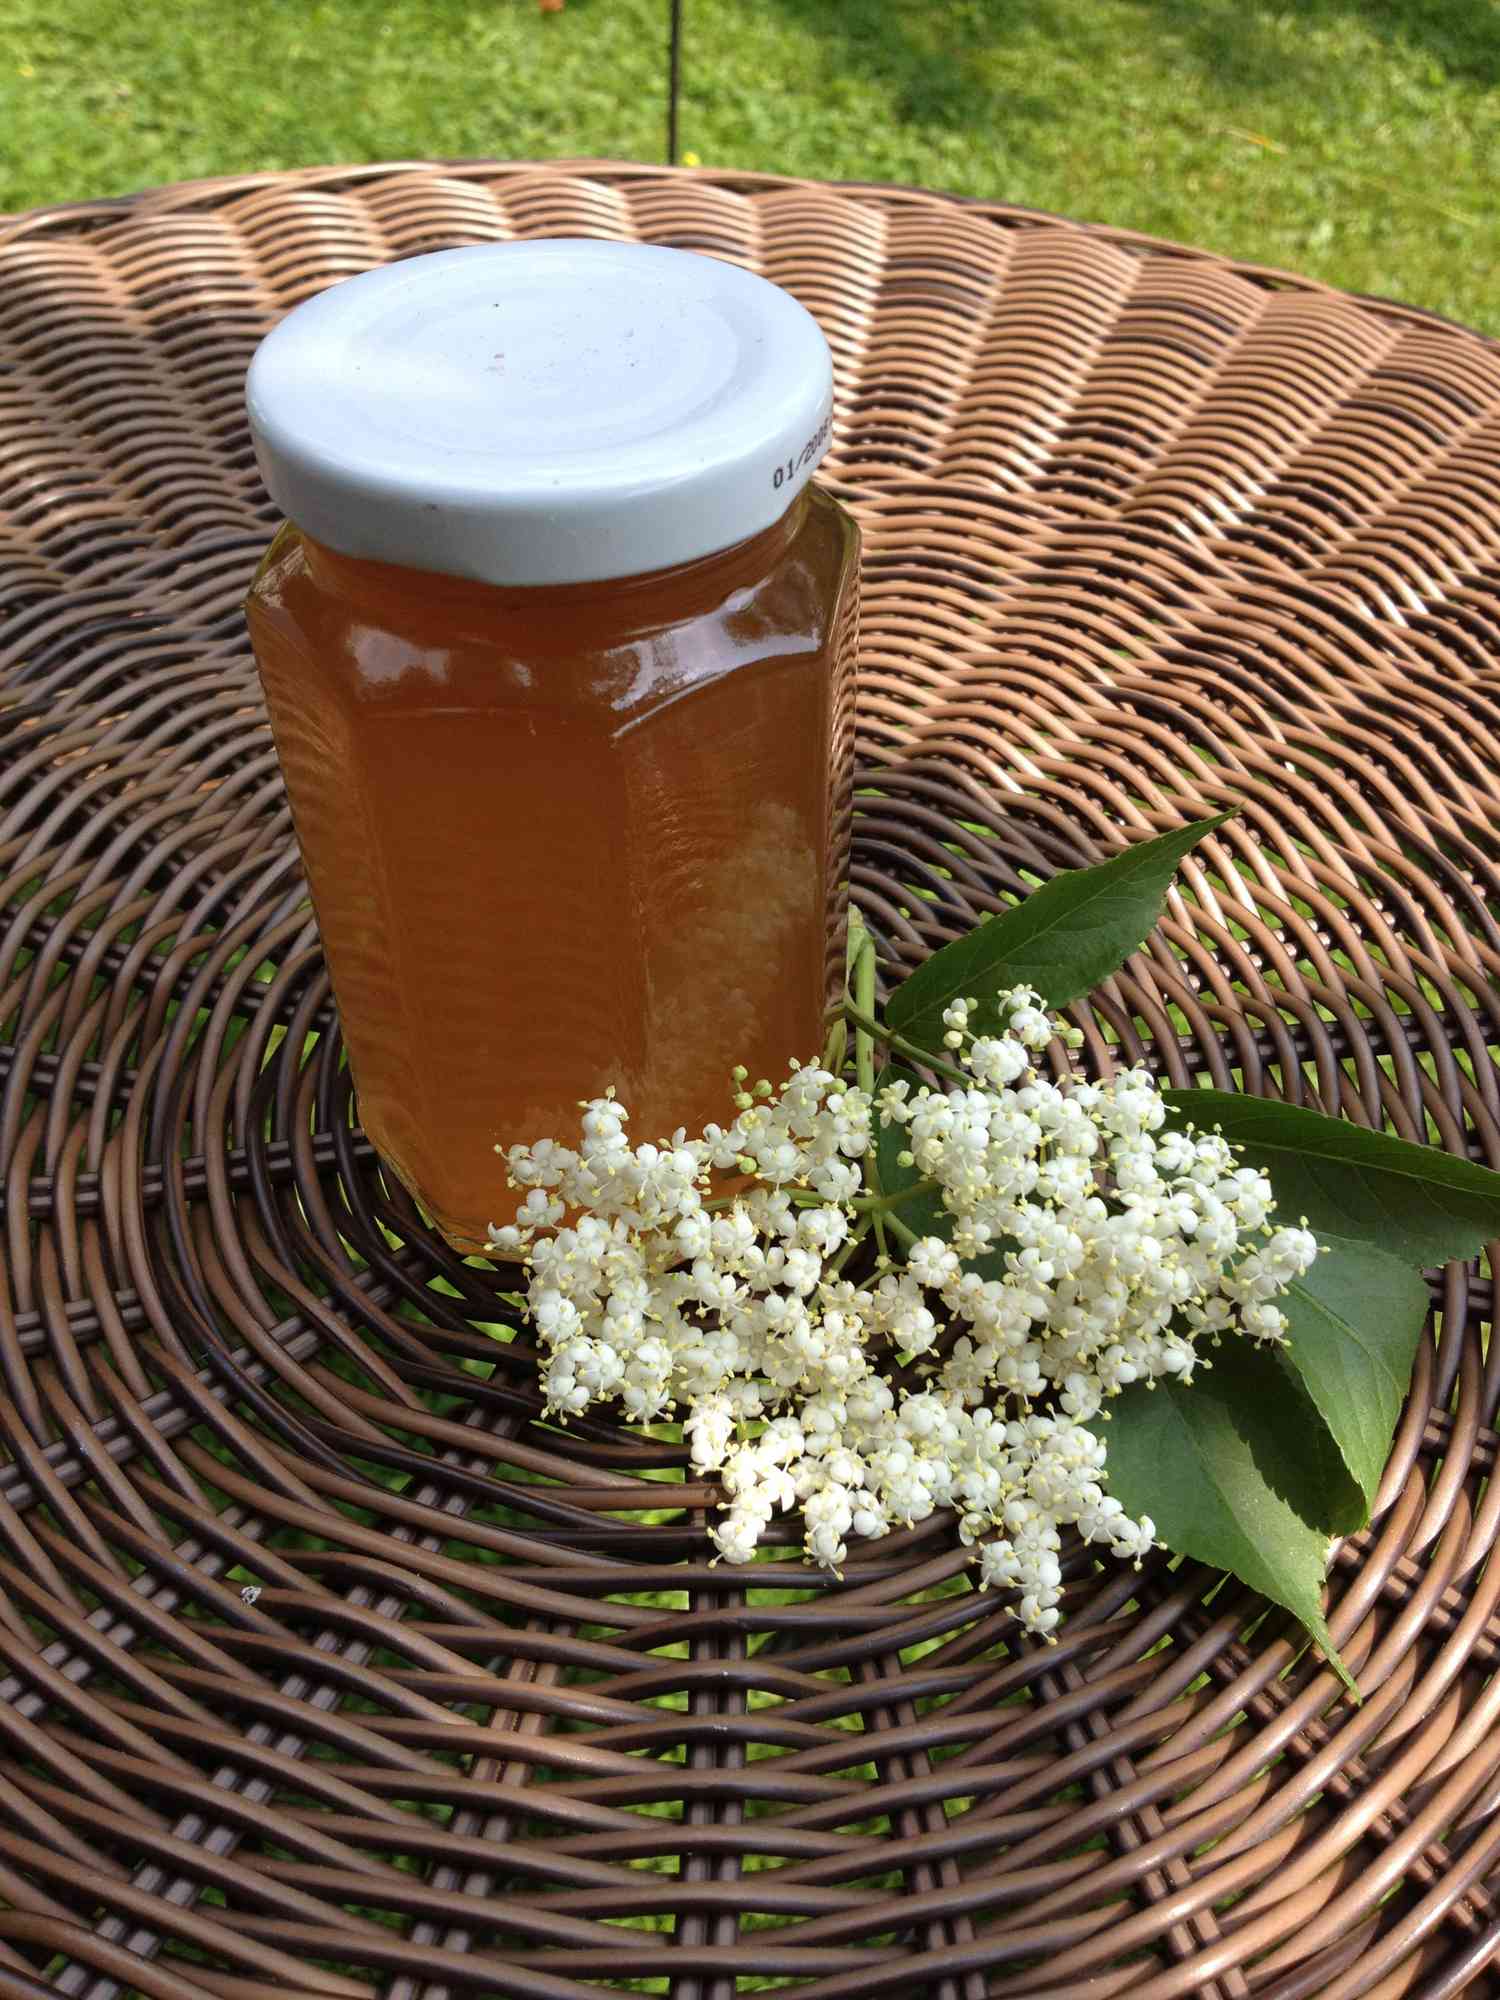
(881, 1204)
(897, 1228)
(799, 1197)
(870, 1204)
(859, 1007)
(861, 1012)
(837, 1263)
(866, 1024)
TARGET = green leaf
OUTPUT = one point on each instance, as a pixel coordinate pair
(1063, 939)
(1353, 1324)
(1413, 1202)
(1237, 1470)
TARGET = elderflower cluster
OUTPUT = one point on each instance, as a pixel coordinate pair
(1086, 1247)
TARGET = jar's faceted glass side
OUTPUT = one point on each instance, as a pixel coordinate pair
(566, 838)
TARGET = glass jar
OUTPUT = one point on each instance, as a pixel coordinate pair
(557, 648)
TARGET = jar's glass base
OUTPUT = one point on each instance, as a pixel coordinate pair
(470, 1239)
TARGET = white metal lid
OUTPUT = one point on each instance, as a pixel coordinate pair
(541, 412)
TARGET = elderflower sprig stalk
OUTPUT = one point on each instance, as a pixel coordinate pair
(859, 1011)
(1083, 1244)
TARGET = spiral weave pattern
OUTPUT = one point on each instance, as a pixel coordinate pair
(327, 1667)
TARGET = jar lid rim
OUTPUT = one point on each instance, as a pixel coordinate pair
(551, 411)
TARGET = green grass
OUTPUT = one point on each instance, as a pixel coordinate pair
(1355, 140)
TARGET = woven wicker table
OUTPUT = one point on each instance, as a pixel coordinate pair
(328, 1668)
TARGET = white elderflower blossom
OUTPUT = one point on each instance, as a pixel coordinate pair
(1085, 1247)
